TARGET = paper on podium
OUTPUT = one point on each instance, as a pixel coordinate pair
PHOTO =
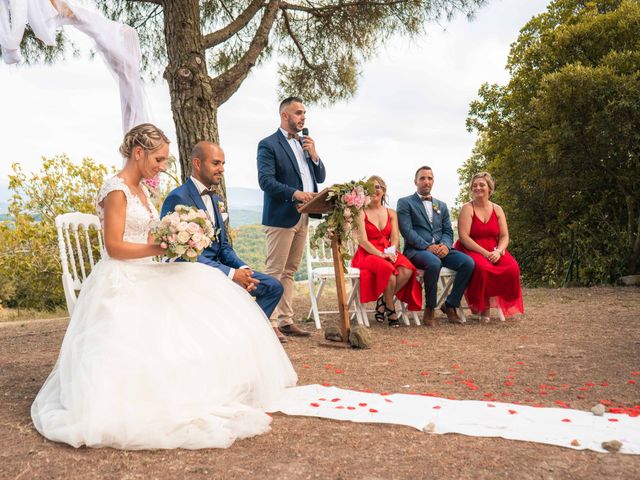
(319, 204)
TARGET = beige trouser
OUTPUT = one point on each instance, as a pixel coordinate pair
(285, 247)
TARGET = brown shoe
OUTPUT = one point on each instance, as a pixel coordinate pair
(429, 317)
(294, 331)
(451, 313)
(281, 337)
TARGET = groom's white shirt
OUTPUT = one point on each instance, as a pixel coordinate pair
(208, 203)
(206, 199)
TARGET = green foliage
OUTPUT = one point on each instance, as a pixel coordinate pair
(30, 268)
(562, 140)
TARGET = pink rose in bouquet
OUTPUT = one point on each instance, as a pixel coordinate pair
(185, 233)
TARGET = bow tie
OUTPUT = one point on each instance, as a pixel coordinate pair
(293, 135)
(426, 198)
(207, 191)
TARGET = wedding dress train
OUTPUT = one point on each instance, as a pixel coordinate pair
(161, 355)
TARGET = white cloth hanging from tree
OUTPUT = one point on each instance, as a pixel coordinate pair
(116, 42)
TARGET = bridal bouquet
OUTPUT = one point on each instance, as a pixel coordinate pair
(348, 200)
(185, 233)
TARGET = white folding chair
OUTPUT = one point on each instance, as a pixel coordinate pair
(77, 255)
(319, 270)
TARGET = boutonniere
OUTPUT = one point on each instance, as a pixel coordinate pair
(436, 207)
(221, 207)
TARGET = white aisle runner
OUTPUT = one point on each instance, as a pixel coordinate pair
(553, 426)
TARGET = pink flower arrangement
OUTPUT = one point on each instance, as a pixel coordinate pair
(185, 233)
(153, 183)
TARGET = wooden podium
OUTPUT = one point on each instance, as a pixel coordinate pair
(321, 204)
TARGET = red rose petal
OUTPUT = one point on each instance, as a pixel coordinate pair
(580, 396)
(488, 394)
(306, 366)
(455, 366)
(373, 410)
(351, 408)
(635, 374)
(566, 420)
(335, 399)
(590, 384)
(362, 404)
(322, 399)
(424, 374)
(340, 407)
(604, 384)
(388, 401)
(328, 367)
(510, 377)
(437, 407)
(583, 389)
(512, 412)
(508, 384)
(632, 382)
(519, 363)
(270, 414)
(339, 371)
(512, 370)
(613, 419)
(313, 404)
(491, 405)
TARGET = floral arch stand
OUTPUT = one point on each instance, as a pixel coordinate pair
(324, 203)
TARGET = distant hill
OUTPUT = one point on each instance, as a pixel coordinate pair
(241, 198)
(241, 217)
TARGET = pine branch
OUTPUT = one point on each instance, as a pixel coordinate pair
(216, 38)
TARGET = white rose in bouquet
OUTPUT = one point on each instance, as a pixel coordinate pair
(185, 233)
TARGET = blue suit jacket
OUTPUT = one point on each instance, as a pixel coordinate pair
(279, 177)
(219, 254)
(417, 230)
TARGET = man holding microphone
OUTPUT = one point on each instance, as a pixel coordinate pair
(289, 170)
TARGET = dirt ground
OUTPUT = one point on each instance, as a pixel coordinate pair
(578, 346)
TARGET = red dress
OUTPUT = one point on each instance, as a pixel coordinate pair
(375, 271)
(492, 284)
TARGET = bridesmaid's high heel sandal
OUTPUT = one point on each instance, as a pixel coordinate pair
(380, 314)
(393, 322)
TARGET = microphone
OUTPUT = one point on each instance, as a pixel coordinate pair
(305, 133)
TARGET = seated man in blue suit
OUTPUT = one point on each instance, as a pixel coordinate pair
(426, 227)
(207, 164)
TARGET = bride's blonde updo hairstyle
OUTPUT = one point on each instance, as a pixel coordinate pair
(145, 135)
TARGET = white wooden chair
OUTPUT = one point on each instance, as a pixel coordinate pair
(319, 270)
(77, 250)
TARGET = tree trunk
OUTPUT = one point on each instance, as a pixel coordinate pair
(192, 100)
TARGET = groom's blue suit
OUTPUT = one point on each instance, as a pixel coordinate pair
(220, 254)
(419, 232)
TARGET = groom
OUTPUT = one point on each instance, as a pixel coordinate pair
(426, 227)
(207, 166)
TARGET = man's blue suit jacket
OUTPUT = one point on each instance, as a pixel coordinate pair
(279, 177)
(219, 254)
(417, 230)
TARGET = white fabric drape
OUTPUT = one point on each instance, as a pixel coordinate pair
(553, 426)
(117, 43)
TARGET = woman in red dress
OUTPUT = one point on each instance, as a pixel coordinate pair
(483, 233)
(384, 271)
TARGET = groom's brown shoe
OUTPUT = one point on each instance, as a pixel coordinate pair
(294, 331)
(429, 317)
(281, 337)
(451, 313)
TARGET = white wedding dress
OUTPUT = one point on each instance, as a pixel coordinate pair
(161, 355)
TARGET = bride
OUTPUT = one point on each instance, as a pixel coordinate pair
(158, 355)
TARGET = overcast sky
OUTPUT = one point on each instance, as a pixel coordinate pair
(410, 108)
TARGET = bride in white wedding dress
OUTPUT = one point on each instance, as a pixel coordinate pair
(158, 355)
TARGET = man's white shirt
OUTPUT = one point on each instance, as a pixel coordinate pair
(303, 166)
(208, 203)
